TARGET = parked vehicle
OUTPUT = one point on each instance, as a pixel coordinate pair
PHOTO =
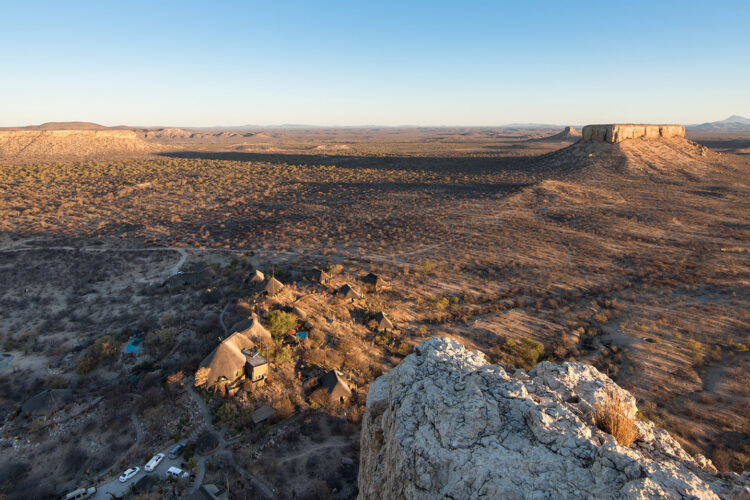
(175, 452)
(129, 473)
(154, 462)
(176, 472)
(80, 493)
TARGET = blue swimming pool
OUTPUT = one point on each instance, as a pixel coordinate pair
(5, 359)
(133, 346)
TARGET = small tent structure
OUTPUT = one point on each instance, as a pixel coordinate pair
(374, 280)
(334, 383)
(320, 276)
(383, 322)
(257, 277)
(273, 287)
(348, 292)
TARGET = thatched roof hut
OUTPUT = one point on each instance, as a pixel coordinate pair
(273, 287)
(253, 329)
(348, 292)
(336, 386)
(227, 361)
(383, 322)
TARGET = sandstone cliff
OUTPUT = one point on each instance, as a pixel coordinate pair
(618, 132)
(445, 424)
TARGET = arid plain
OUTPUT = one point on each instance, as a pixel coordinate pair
(522, 243)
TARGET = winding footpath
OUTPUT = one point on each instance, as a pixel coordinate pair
(222, 448)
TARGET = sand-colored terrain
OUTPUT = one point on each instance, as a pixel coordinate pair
(633, 256)
(25, 146)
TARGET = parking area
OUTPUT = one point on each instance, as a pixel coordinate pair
(115, 488)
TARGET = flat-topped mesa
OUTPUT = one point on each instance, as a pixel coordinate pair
(618, 132)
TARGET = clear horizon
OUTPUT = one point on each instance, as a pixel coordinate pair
(233, 64)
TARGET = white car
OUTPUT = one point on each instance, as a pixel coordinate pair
(154, 462)
(129, 473)
(176, 472)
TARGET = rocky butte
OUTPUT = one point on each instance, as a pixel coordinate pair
(618, 132)
(446, 424)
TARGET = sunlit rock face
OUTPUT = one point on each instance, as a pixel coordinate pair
(618, 132)
(446, 424)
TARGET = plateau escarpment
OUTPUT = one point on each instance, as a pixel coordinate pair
(618, 132)
(446, 424)
(54, 145)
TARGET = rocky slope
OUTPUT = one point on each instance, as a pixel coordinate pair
(567, 134)
(445, 424)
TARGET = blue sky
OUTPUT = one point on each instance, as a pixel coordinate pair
(386, 63)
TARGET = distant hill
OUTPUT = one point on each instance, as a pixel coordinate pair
(67, 126)
(734, 123)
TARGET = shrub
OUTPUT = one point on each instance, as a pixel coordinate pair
(279, 323)
(283, 407)
(612, 417)
(737, 347)
(106, 347)
(316, 337)
(283, 355)
(530, 351)
(441, 304)
(86, 365)
(164, 337)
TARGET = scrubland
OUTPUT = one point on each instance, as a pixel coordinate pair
(632, 257)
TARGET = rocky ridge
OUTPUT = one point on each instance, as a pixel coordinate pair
(446, 424)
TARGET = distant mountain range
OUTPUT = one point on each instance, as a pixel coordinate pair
(734, 123)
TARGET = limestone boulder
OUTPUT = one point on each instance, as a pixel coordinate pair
(446, 424)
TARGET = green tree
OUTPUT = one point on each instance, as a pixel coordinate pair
(279, 323)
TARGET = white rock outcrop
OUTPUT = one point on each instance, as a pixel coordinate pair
(618, 132)
(445, 424)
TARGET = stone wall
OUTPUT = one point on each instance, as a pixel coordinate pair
(618, 132)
